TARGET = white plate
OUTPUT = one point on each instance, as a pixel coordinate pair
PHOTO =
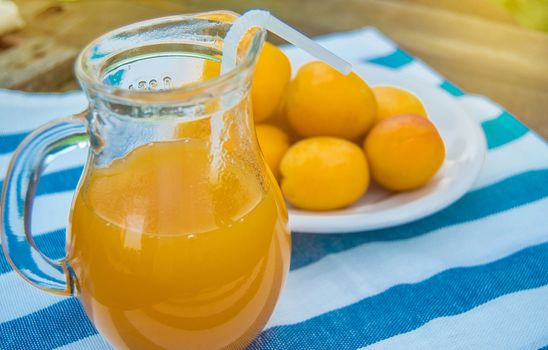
(465, 151)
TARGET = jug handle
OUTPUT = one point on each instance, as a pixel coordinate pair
(18, 192)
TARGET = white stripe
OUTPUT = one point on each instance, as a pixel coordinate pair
(4, 162)
(74, 158)
(344, 278)
(481, 108)
(22, 112)
(19, 298)
(70, 159)
(47, 99)
(51, 212)
(518, 156)
(357, 45)
(94, 342)
(420, 70)
(514, 321)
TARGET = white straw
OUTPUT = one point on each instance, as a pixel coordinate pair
(263, 19)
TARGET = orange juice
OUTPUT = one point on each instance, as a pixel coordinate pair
(167, 256)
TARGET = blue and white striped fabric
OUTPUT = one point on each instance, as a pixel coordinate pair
(473, 276)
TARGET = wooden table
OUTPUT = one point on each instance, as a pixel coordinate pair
(475, 44)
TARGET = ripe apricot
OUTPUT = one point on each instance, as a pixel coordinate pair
(404, 152)
(270, 81)
(323, 173)
(393, 101)
(274, 144)
(324, 102)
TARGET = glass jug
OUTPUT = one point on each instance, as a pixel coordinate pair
(178, 233)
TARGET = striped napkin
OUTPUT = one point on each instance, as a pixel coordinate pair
(472, 276)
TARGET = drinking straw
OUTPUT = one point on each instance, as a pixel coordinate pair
(264, 19)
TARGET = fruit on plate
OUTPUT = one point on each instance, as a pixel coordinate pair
(326, 113)
(274, 144)
(393, 101)
(324, 102)
(270, 81)
(404, 152)
(324, 173)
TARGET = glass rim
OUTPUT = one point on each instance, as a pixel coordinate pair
(90, 81)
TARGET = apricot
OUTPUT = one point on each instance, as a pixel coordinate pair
(274, 144)
(270, 80)
(393, 101)
(323, 173)
(324, 102)
(404, 152)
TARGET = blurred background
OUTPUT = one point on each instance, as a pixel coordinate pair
(497, 48)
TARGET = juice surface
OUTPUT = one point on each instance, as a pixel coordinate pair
(168, 256)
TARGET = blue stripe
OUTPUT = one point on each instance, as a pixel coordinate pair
(59, 181)
(57, 325)
(504, 195)
(396, 59)
(406, 307)
(9, 142)
(452, 89)
(52, 244)
(502, 130)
